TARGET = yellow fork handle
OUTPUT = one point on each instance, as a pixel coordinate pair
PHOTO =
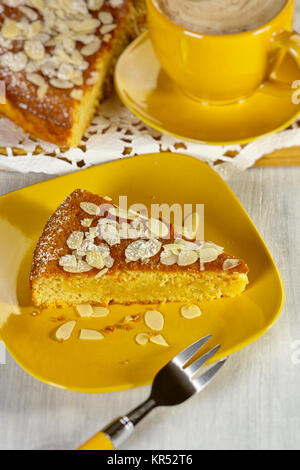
(287, 42)
(98, 442)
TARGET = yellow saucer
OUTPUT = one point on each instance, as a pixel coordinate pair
(117, 362)
(150, 94)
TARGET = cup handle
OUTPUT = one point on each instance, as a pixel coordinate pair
(287, 42)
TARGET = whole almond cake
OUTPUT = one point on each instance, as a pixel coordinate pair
(91, 251)
(57, 58)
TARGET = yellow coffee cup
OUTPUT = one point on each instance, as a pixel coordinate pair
(227, 67)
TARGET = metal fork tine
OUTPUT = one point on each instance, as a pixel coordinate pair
(205, 378)
(195, 366)
(189, 352)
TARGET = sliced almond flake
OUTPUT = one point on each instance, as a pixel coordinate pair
(116, 3)
(94, 78)
(86, 26)
(142, 339)
(61, 84)
(63, 332)
(128, 319)
(87, 222)
(186, 258)
(103, 249)
(68, 44)
(95, 4)
(168, 258)
(174, 246)
(107, 28)
(68, 260)
(106, 38)
(95, 259)
(190, 311)
(142, 250)
(76, 94)
(101, 273)
(32, 30)
(110, 234)
(82, 267)
(159, 339)
(157, 227)
(65, 71)
(75, 240)
(105, 17)
(109, 261)
(90, 208)
(93, 232)
(231, 263)
(34, 50)
(107, 198)
(15, 62)
(91, 48)
(29, 12)
(42, 90)
(38, 4)
(100, 311)
(85, 310)
(10, 29)
(208, 254)
(88, 334)
(154, 320)
(36, 79)
(189, 246)
(77, 78)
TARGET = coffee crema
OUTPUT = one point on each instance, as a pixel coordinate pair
(220, 16)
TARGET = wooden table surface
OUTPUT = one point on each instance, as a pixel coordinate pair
(254, 403)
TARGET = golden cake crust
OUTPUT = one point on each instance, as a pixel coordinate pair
(58, 117)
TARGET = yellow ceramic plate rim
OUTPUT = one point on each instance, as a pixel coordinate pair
(154, 125)
(260, 332)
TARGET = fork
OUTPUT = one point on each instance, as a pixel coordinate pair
(173, 384)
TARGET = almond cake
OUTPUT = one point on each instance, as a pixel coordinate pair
(57, 58)
(98, 257)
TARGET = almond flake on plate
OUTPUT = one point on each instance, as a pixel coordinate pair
(85, 310)
(86, 333)
(64, 332)
(190, 311)
(154, 320)
(158, 339)
(142, 339)
(100, 311)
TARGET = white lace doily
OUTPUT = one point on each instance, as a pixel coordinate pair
(115, 132)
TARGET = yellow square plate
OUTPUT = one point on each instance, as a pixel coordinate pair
(117, 362)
